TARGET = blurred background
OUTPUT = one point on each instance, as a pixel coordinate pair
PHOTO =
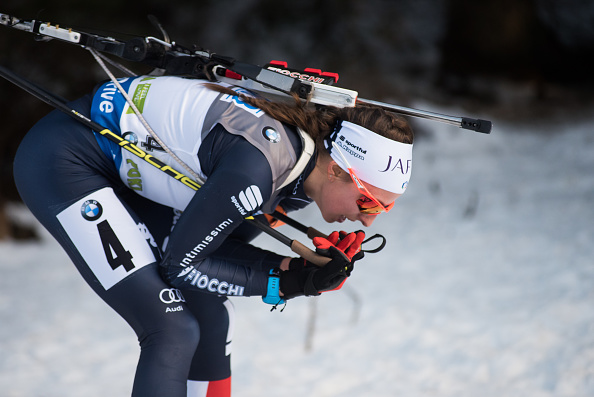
(486, 286)
(527, 61)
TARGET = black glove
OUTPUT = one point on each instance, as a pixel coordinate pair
(305, 278)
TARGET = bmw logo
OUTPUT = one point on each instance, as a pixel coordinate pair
(91, 210)
(130, 137)
(271, 134)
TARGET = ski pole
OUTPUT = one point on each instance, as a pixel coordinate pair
(59, 104)
(294, 245)
(309, 231)
(312, 232)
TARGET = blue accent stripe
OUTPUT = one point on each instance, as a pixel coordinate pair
(106, 109)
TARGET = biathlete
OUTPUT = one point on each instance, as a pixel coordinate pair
(166, 257)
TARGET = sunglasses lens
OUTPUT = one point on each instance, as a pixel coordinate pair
(368, 206)
(367, 203)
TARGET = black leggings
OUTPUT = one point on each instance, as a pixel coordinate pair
(114, 237)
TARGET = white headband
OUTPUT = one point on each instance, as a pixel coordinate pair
(377, 160)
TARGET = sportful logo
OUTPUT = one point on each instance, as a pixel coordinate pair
(349, 143)
(350, 151)
(249, 200)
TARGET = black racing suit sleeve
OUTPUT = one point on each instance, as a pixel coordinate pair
(240, 181)
(240, 252)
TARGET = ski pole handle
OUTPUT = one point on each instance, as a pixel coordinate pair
(313, 232)
(294, 245)
(308, 254)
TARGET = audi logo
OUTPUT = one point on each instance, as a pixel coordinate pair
(171, 295)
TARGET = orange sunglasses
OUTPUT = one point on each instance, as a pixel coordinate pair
(367, 204)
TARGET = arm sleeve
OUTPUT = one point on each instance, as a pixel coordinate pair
(198, 255)
(237, 249)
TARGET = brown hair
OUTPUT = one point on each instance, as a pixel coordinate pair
(319, 123)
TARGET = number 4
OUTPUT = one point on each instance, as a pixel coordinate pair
(115, 252)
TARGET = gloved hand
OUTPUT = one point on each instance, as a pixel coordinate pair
(348, 243)
(305, 278)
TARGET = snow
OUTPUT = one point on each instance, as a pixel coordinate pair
(486, 288)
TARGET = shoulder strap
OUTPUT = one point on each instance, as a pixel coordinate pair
(308, 148)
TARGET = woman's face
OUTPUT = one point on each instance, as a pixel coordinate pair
(337, 200)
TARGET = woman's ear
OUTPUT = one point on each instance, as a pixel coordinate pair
(335, 172)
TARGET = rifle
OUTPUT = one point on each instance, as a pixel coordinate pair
(274, 78)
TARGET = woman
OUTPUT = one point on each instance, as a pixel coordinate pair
(166, 257)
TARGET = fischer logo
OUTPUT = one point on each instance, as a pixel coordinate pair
(205, 242)
(249, 200)
(214, 285)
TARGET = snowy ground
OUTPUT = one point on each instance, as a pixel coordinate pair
(485, 289)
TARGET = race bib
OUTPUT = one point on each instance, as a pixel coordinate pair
(106, 236)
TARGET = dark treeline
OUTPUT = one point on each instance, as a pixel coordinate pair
(504, 56)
